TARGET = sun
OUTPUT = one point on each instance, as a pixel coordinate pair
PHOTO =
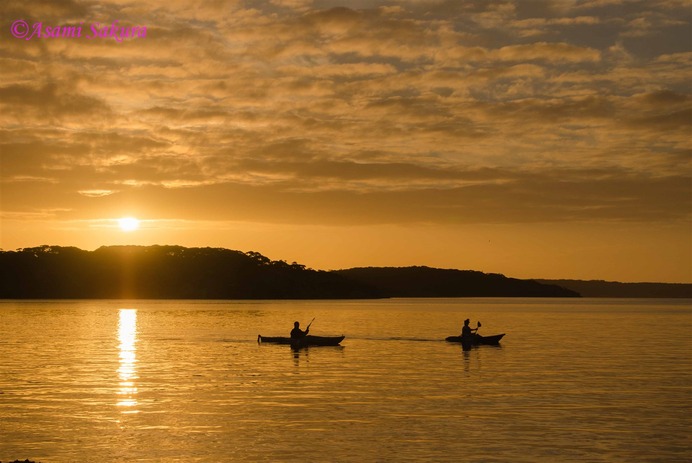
(128, 224)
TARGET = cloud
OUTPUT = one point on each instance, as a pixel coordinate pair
(48, 101)
(96, 193)
(546, 51)
(426, 111)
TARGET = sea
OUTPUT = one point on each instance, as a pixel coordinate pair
(573, 380)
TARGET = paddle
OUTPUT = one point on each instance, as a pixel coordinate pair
(308, 328)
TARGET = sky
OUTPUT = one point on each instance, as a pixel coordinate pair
(537, 139)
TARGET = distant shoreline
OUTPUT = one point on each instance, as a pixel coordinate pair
(616, 289)
(181, 273)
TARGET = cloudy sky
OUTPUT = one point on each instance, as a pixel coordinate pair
(539, 139)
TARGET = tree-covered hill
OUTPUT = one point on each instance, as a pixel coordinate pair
(176, 272)
(165, 272)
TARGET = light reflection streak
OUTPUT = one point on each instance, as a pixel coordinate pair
(127, 370)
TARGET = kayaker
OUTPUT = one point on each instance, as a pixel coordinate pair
(297, 333)
(467, 331)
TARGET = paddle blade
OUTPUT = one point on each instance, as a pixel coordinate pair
(479, 325)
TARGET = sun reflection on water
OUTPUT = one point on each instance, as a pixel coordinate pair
(127, 370)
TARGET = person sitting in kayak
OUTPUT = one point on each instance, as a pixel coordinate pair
(467, 331)
(297, 333)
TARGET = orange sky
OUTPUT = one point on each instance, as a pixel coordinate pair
(539, 139)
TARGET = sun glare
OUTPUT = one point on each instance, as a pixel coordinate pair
(128, 224)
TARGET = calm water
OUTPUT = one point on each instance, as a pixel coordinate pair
(144, 381)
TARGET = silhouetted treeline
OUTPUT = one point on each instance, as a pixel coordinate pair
(164, 272)
(597, 288)
(435, 282)
(176, 272)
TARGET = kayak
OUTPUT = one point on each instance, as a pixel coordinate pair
(477, 340)
(308, 340)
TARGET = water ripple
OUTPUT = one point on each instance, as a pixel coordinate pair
(186, 381)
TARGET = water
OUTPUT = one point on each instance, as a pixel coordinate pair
(147, 381)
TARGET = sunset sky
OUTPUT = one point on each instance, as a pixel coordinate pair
(538, 139)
